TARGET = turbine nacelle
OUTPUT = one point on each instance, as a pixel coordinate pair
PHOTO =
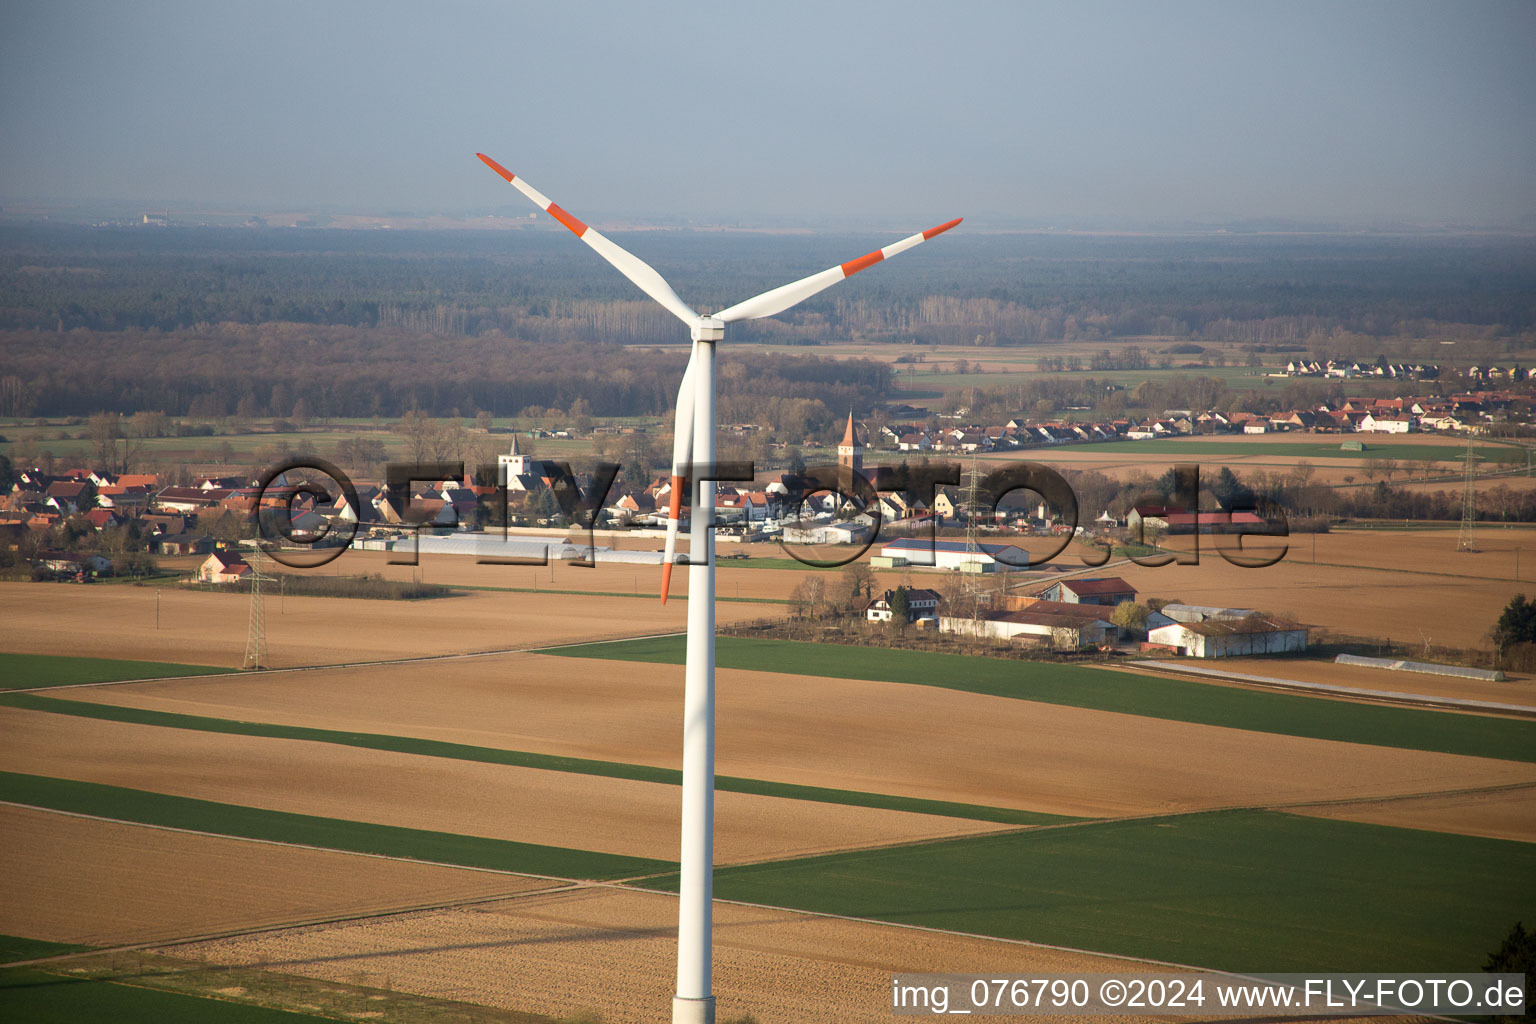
(707, 328)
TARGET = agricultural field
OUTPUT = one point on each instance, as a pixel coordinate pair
(470, 800)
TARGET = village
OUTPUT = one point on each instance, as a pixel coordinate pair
(961, 560)
(88, 524)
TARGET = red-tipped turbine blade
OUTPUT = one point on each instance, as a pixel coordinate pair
(640, 273)
(781, 298)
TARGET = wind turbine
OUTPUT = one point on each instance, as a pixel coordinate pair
(693, 446)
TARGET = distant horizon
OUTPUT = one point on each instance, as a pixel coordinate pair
(91, 211)
(1105, 113)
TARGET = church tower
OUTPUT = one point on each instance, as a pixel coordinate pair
(850, 454)
(514, 463)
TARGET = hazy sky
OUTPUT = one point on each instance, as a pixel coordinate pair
(809, 113)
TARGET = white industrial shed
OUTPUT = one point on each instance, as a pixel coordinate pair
(1231, 638)
(495, 545)
(954, 555)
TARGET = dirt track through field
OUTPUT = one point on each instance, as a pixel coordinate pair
(527, 805)
(846, 734)
(97, 883)
(615, 952)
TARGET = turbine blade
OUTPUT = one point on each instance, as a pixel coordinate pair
(640, 273)
(682, 452)
(784, 296)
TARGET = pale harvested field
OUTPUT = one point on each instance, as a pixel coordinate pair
(99, 883)
(644, 580)
(1519, 689)
(615, 952)
(210, 629)
(585, 812)
(847, 734)
(1510, 814)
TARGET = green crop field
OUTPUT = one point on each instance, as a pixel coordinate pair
(1250, 891)
(37, 997)
(25, 671)
(1078, 686)
(14, 948)
(136, 805)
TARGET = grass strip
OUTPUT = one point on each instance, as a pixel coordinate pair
(146, 808)
(520, 759)
(264, 987)
(42, 998)
(1234, 890)
(27, 671)
(15, 947)
(1179, 700)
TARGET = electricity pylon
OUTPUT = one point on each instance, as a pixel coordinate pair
(1464, 541)
(256, 633)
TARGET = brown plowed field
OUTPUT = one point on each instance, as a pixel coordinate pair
(847, 734)
(615, 951)
(1398, 604)
(98, 883)
(526, 805)
(1507, 814)
(210, 629)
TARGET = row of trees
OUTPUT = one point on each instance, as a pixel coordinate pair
(309, 374)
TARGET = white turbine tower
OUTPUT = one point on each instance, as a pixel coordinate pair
(694, 446)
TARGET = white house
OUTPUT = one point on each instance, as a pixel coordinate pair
(921, 604)
(1386, 424)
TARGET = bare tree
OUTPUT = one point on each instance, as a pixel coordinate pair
(859, 581)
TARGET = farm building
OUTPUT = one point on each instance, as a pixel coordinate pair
(1050, 623)
(1203, 612)
(954, 555)
(1108, 590)
(1228, 638)
(852, 532)
(1182, 521)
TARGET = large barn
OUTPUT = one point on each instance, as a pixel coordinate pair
(1231, 638)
